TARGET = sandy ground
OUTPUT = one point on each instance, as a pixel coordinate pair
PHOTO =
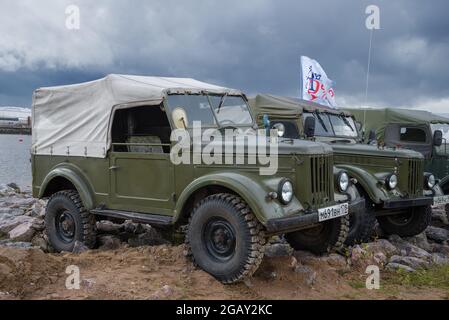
(162, 272)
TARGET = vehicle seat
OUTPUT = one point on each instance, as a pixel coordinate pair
(145, 149)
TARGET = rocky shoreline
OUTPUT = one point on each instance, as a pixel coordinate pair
(22, 226)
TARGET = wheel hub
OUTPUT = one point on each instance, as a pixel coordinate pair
(65, 224)
(219, 238)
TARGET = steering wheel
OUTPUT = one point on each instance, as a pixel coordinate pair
(227, 121)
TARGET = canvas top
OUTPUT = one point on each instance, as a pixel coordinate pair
(74, 120)
(287, 107)
(378, 118)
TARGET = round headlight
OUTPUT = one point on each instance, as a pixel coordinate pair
(343, 181)
(430, 181)
(285, 191)
(280, 129)
(392, 181)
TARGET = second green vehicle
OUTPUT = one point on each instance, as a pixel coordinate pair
(398, 193)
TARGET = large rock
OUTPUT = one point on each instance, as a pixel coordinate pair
(440, 259)
(278, 250)
(109, 242)
(412, 262)
(9, 222)
(398, 266)
(420, 241)
(437, 234)
(383, 246)
(19, 245)
(79, 247)
(309, 275)
(6, 190)
(440, 248)
(150, 238)
(408, 249)
(108, 227)
(23, 232)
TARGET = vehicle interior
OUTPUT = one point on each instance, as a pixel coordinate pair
(141, 125)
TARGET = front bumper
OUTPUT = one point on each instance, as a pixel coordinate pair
(299, 222)
(407, 203)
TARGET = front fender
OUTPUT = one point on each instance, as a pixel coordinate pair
(369, 183)
(251, 189)
(74, 175)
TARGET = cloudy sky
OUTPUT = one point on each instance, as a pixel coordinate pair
(253, 45)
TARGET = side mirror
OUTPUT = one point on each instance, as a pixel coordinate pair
(438, 138)
(358, 126)
(309, 127)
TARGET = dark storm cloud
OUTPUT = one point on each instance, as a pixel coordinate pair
(253, 45)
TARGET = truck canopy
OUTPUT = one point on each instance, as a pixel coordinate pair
(74, 120)
(378, 118)
(286, 107)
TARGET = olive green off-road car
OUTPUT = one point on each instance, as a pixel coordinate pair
(397, 191)
(417, 130)
(104, 150)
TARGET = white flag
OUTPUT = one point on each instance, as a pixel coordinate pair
(316, 86)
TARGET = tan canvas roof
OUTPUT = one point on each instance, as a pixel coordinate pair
(74, 120)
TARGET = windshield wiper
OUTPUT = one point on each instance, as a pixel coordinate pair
(321, 121)
(346, 121)
(222, 100)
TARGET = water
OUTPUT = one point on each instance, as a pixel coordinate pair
(15, 163)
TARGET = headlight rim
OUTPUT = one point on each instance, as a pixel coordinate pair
(338, 179)
(280, 187)
(388, 181)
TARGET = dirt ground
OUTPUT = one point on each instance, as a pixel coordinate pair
(162, 272)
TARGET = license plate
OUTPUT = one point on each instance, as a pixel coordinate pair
(440, 200)
(333, 212)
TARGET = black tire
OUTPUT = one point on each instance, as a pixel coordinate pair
(224, 238)
(361, 225)
(67, 221)
(328, 236)
(446, 210)
(407, 224)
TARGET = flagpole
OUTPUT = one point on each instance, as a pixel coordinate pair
(367, 74)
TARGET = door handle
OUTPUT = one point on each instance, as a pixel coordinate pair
(114, 168)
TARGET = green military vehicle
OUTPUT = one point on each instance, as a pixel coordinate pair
(391, 180)
(104, 150)
(417, 130)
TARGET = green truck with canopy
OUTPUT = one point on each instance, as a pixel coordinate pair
(398, 193)
(417, 130)
(104, 150)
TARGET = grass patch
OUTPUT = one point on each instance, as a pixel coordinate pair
(358, 284)
(435, 277)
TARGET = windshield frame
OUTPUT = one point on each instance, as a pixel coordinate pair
(207, 95)
(356, 137)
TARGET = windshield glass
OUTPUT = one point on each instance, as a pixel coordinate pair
(323, 126)
(330, 125)
(343, 126)
(232, 111)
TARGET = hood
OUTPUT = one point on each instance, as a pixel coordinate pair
(368, 150)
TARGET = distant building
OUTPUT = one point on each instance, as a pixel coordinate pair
(15, 117)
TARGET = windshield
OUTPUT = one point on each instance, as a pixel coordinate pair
(343, 126)
(330, 125)
(233, 110)
(210, 109)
